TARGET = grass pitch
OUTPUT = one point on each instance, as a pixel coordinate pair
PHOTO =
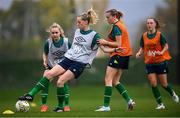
(85, 99)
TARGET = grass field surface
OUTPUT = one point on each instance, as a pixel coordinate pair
(85, 99)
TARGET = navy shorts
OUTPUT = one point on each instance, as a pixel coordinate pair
(75, 67)
(160, 68)
(119, 62)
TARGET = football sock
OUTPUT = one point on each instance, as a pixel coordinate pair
(44, 94)
(169, 89)
(43, 82)
(66, 91)
(121, 89)
(157, 95)
(107, 95)
(60, 97)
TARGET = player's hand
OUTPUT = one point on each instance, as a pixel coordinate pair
(102, 42)
(120, 49)
(159, 53)
(45, 65)
(138, 54)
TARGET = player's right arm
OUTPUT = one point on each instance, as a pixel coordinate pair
(140, 51)
(45, 54)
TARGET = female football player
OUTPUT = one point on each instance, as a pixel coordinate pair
(119, 61)
(155, 48)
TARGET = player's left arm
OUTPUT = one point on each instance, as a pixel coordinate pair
(110, 50)
(140, 51)
(118, 38)
(45, 54)
(164, 44)
(105, 49)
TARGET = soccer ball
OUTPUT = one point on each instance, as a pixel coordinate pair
(22, 106)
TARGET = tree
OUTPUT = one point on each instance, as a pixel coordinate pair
(168, 16)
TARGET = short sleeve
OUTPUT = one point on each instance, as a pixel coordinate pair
(94, 42)
(46, 47)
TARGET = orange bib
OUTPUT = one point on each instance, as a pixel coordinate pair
(125, 41)
(151, 47)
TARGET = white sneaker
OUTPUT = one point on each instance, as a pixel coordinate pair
(103, 108)
(160, 106)
(131, 105)
(175, 97)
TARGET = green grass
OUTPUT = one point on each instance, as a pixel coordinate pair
(85, 99)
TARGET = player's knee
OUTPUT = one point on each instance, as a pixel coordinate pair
(60, 83)
(108, 82)
(48, 74)
(164, 85)
(114, 83)
(153, 84)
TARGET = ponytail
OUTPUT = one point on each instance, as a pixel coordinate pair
(90, 16)
(116, 13)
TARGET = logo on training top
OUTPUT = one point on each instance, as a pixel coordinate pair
(58, 54)
(80, 39)
(152, 53)
(78, 46)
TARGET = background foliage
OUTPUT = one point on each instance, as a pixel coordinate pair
(23, 32)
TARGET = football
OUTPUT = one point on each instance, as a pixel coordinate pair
(22, 106)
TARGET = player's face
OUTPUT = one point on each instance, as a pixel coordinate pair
(151, 25)
(55, 33)
(110, 19)
(81, 23)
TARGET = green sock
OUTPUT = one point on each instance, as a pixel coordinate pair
(44, 94)
(169, 89)
(60, 97)
(66, 90)
(39, 86)
(107, 95)
(121, 89)
(157, 95)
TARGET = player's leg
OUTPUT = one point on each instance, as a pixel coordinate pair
(66, 99)
(110, 73)
(153, 82)
(43, 82)
(68, 75)
(167, 87)
(162, 71)
(122, 90)
(44, 96)
(74, 71)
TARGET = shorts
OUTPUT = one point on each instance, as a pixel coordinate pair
(119, 62)
(160, 68)
(75, 67)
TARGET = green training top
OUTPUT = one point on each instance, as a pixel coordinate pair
(116, 31)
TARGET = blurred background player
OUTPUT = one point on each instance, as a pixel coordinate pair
(156, 55)
(54, 49)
